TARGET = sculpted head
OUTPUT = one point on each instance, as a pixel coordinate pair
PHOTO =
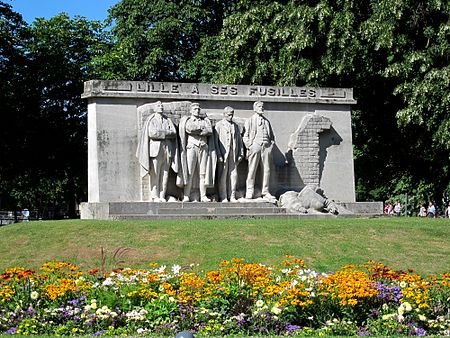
(159, 107)
(258, 107)
(228, 113)
(195, 110)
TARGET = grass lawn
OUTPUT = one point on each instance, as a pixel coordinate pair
(325, 244)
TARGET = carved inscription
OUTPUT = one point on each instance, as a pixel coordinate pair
(202, 91)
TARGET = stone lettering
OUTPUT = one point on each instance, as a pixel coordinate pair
(194, 89)
(224, 90)
(214, 90)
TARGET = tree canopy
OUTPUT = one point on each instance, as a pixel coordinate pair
(44, 163)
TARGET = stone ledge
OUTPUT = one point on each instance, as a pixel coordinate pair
(192, 210)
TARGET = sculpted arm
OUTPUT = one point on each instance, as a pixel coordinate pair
(171, 131)
(246, 136)
(193, 126)
(155, 131)
(206, 128)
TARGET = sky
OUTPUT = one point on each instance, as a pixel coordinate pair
(91, 9)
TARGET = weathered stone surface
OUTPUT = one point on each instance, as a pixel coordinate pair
(322, 152)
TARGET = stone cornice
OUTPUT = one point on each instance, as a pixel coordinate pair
(201, 91)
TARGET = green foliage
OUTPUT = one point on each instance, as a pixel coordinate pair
(393, 53)
(45, 130)
(154, 40)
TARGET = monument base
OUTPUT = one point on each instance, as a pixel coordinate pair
(210, 210)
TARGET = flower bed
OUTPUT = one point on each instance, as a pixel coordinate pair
(237, 298)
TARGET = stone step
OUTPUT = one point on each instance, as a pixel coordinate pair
(167, 207)
(218, 216)
(221, 211)
(202, 216)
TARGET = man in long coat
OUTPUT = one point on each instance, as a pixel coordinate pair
(198, 157)
(156, 151)
(230, 152)
(259, 140)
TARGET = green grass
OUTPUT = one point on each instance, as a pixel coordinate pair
(325, 244)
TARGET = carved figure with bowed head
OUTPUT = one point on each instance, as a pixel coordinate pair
(198, 158)
(230, 151)
(156, 151)
(258, 139)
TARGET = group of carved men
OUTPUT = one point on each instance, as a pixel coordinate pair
(201, 148)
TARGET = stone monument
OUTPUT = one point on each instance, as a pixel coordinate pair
(259, 141)
(311, 126)
(230, 152)
(198, 156)
(157, 150)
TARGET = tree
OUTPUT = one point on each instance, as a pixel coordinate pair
(49, 169)
(156, 40)
(394, 54)
(13, 33)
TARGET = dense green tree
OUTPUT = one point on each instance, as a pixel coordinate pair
(13, 34)
(155, 40)
(48, 138)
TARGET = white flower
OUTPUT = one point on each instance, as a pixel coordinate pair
(403, 284)
(259, 303)
(176, 269)
(161, 269)
(276, 309)
(171, 299)
(34, 295)
(422, 317)
(141, 331)
(386, 317)
(108, 281)
(407, 306)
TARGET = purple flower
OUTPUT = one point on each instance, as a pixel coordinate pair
(363, 332)
(420, 332)
(98, 333)
(292, 329)
(30, 310)
(12, 330)
(374, 313)
(73, 302)
(387, 293)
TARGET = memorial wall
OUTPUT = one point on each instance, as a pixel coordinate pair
(311, 146)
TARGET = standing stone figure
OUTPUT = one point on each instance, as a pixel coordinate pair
(198, 157)
(156, 151)
(258, 139)
(230, 152)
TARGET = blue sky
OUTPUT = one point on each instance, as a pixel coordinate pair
(91, 9)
